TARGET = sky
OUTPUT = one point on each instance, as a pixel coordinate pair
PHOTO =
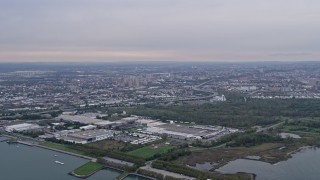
(159, 30)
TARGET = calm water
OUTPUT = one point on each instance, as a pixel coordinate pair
(19, 162)
(303, 165)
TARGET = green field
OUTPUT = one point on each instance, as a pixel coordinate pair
(88, 168)
(148, 152)
(302, 129)
(303, 125)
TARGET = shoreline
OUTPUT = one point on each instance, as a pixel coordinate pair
(58, 150)
(253, 175)
(79, 156)
(84, 157)
(72, 173)
(299, 150)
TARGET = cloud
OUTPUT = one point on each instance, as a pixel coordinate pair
(153, 29)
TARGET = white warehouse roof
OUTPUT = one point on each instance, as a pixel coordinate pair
(22, 127)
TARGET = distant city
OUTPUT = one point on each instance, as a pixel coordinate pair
(150, 120)
(55, 87)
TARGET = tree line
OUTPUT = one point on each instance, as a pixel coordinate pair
(233, 113)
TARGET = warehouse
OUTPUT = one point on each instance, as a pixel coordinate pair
(23, 127)
(198, 132)
(80, 119)
(84, 137)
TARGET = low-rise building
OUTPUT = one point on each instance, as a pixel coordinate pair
(84, 137)
(23, 127)
(88, 127)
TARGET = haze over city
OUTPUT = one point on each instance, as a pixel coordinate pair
(153, 30)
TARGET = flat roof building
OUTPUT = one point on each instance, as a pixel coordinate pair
(22, 127)
(84, 137)
(80, 119)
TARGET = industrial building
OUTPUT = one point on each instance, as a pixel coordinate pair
(88, 127)
(23, 127)
(146, 139)
(189, 132)
(80, 119)
(84, 137)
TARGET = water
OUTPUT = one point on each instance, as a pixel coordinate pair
(303, 165)
(105, 174)
(24, 162)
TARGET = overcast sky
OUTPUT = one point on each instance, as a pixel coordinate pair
(159, 30)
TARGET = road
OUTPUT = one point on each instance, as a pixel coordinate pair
(270, 127)
(167, 173)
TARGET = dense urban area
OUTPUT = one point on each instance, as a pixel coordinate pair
(161, 120)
